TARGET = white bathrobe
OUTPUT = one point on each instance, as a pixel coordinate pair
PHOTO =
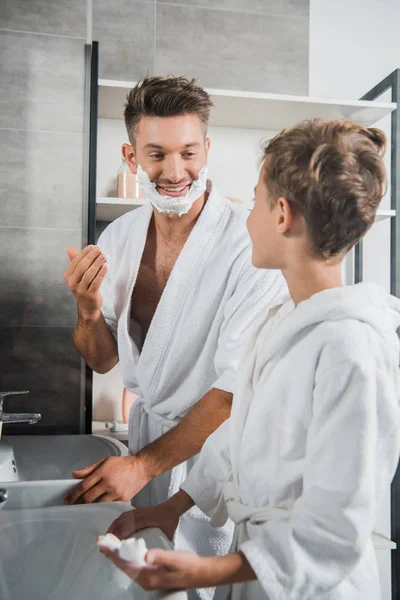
(311, 447)
(193, 344)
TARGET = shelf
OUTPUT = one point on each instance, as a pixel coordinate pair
(108, 209)
(381, 542)
(384, 214)
(381, 215)
(255, 110)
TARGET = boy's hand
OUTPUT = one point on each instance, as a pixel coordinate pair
(165, 569)
(163, 516)
(168, 569)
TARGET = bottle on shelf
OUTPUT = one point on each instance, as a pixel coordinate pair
(127, 185)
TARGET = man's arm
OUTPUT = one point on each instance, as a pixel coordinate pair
(121, 478)
(187, 438)
(95, 342)
(92, 337)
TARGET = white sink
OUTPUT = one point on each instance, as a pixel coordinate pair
(51, 554)
(8, 468)
(45, 457)
(37, 494)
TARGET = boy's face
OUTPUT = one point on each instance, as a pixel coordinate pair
(263, 226)
(172, 150)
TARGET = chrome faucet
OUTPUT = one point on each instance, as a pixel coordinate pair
(3, 497)
(29, 418)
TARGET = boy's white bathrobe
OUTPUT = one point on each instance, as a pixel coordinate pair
(193, 344)
(311, 446)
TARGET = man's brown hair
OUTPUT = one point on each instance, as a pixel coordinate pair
(333, 173)
(165, 97)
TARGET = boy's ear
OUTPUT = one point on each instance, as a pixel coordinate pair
(129, 155)
(285, 215)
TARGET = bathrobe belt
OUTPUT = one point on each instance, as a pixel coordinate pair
(135, 423)
(164, 421)
(178, 473)
(255, 515)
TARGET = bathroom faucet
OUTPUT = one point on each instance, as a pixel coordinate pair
(3, 497)
(16, 417)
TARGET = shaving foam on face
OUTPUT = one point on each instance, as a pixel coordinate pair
(167, 204)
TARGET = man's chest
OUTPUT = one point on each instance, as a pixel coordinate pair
(155, 269)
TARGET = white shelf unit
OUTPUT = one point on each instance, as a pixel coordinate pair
(242, 110)
(109, 209)
(254, 110)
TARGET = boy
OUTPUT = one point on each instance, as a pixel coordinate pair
(313, 440)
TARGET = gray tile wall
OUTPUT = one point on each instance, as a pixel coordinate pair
(256, 45)
(259, 45)
(41, 201)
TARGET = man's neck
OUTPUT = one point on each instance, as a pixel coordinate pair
(173, 227)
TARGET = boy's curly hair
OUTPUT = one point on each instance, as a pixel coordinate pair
(333, 173)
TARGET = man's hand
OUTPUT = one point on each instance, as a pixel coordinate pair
(84, 277)
(92, 336)
(108, 480)
(160, 516)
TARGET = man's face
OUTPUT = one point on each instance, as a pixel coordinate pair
(172, 150)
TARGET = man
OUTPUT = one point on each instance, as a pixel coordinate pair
(169, 292)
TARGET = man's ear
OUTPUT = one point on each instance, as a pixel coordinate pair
(285, 215)
(207, 144)
(129, 155)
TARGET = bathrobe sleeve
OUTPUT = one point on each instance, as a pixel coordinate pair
(206, 479)
(351, 457)
(107, 308)
(256, 291)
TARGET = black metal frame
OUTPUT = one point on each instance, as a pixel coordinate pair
(91, 209)
(358, 262)
(392, 82)
(94, 103)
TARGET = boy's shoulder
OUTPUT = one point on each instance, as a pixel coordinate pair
(350, 341)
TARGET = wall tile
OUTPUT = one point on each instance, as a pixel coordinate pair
(32, 287)
(42, 82)
(125, 31)
(41, 179)
(291, 8)
(231, 50)
(44, 361)
(43, 16)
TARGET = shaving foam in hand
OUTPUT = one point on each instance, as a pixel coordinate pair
(131, 550)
